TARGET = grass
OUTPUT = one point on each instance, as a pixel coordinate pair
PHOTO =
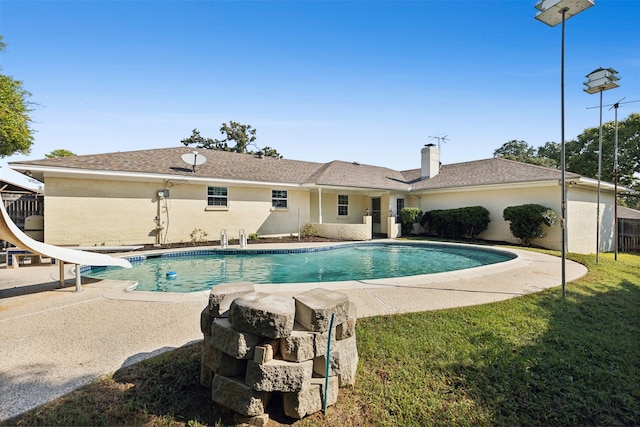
(533, 360)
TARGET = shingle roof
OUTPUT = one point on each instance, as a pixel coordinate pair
(628, 213)
(338, 173)
(484, 172)
(168, 161)
(248, 167)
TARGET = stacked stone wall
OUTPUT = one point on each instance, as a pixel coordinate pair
(258, 344)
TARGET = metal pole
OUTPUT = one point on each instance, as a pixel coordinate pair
(61, 271)
(78, 280)
(615, 184)
(563, 204)
(599, 179)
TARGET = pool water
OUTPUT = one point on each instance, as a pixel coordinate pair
(199, 270)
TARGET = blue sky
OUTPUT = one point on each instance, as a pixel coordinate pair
(366, 81)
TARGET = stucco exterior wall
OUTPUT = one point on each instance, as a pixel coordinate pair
(581, 213)
(581, 225)
(98, 212)
(495, 200)
(248, 209)
(357, 205)
(346, 231)
(109, 212)
(95, 212)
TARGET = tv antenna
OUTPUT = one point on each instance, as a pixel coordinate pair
(194, 159)
(441, 139)
(614, 105)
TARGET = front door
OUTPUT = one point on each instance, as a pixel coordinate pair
(375, 215)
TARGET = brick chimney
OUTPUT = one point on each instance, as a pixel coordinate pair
(430, 161)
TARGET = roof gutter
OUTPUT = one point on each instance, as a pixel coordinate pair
(39, 172)
(489, 186)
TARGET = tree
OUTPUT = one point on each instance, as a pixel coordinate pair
(242, 135)
(520, 151)
(60, 152)
(549, 155)
(16, 134)
(581, 155)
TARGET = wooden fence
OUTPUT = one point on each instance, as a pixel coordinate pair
(628, 235)
(22, 206)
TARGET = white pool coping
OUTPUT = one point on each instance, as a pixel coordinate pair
(126, 290)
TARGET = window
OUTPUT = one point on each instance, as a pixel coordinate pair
(279, 199)
(217, 196)
(343, 205)
(399, 207)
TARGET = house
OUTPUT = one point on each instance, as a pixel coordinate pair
(153, 196)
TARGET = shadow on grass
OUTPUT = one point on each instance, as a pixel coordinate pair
(162, 390)
(583, 370)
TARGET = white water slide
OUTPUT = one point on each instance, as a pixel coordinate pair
(11, 233)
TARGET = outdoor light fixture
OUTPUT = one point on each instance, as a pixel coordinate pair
(552, 13)
(600, 80)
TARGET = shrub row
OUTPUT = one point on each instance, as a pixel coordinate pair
(454, 223)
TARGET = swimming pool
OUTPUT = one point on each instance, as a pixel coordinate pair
(198, 270)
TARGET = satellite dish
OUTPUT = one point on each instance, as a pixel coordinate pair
(194, 159)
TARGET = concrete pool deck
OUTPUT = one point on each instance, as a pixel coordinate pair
(56, 340)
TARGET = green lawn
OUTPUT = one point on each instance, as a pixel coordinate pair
(533, 360)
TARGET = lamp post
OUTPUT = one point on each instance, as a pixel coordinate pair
(615, 182)
(600, 80)
(552, 13)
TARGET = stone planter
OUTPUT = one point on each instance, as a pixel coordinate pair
(257, 344)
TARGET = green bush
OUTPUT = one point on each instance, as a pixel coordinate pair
(408, 217)
(454, 223)
(308, 231)
(526, 221)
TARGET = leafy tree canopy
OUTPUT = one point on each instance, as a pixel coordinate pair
(60, 152)
(547, 155)
(581, 154)
(16, 134)
(241, 135)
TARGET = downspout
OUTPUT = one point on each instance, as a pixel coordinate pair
(319, 205)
